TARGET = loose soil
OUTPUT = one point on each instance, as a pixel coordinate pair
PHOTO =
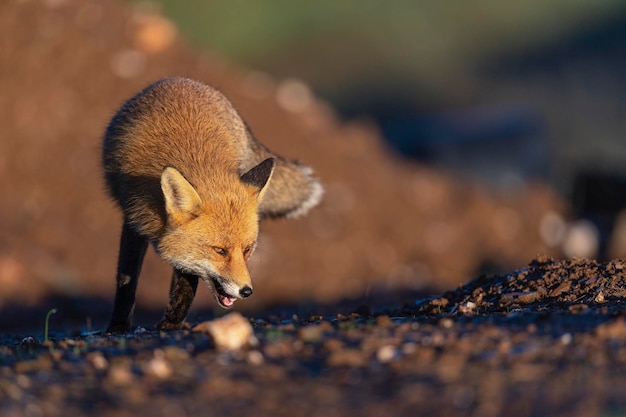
(547, 339)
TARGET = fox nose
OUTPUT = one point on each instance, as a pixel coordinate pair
(245, 291)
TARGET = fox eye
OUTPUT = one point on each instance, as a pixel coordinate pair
(247, 251)
(220, 251)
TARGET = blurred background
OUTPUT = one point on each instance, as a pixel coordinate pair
(436, 76)
(454, 139)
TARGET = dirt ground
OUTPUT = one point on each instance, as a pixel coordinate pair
(337, 328)
(549, 339)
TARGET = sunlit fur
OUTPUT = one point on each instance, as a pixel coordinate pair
(184, 138)
(226, 219)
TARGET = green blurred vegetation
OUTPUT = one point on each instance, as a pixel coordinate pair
(330, 43)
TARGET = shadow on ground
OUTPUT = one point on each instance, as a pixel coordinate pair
(76, 316)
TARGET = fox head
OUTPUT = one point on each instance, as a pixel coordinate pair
(213, 235)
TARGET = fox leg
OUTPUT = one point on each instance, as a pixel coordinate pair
(132, 250)
(182, 292)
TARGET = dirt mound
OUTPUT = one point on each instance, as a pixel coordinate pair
(543, 286)
(384, 223)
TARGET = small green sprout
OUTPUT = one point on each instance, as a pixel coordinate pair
(45, 334)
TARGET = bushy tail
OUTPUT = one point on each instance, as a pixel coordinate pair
(292, 190)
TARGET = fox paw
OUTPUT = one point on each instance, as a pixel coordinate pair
(166, 325)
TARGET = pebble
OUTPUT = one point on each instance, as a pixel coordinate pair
(446, 323)
(311, 333)
(98, 361)
(29, 341)
(140, 330)
(175, 354)
(566, 338)
(600, 297)
(120, 374)
(347, 357)
(231, 332)
(158, 366)
(409, 348)
(469, 308)
(255, 357)
(386, 353)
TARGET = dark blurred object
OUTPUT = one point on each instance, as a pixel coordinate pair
(502, 146)
(594, 43)
(600, 197)
(578, 83)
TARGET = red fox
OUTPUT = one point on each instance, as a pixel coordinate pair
(192, 180)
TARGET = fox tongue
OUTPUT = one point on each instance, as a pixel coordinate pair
(226, 300)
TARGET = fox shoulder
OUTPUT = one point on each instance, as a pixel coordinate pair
(292, 190)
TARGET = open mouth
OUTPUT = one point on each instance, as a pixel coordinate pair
(223, 299)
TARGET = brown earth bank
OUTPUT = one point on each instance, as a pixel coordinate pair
(546, 340)
(384, 225)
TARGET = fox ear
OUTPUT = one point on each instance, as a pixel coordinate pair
(181, 199)
(259, 176)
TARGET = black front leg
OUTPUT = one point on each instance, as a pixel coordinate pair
(182, 291)
(132, 250)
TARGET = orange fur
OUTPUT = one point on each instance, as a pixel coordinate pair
(192, 181)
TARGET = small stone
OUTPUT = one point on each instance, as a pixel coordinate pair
(57, 355)
(578, 308)
(140, 330)
(176, 354)
(29, 341)
(566, 339)
(599, 297)
(255, 357)
(386, 353)
(347, 357)
(562, 288)
(120, 374)
(469, 308)
(98, 361)
(409, 348)
(23, 381)
(231, 332)
(311, 333)
(158, 366)
(333, 345)
(523, 297)
(446, 323)
(440, 302)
